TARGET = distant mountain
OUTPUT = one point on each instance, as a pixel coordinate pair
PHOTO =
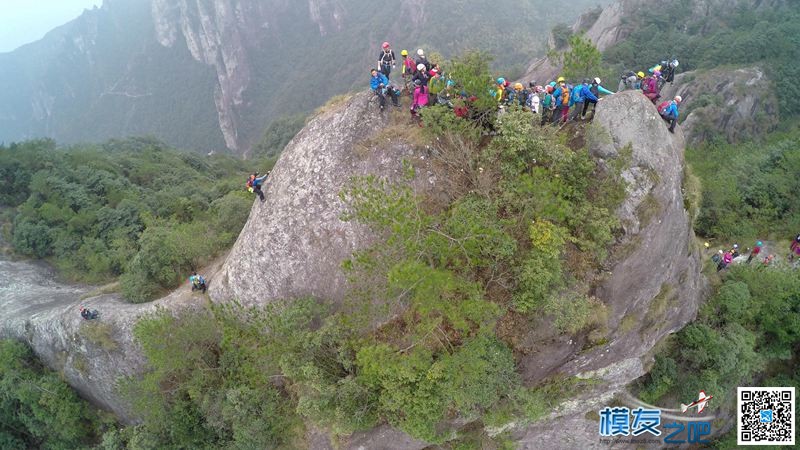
(211, 74)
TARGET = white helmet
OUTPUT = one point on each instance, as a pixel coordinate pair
(420, 66)
(597, 80)
(674, 63)
(420, 52)
(678, 98)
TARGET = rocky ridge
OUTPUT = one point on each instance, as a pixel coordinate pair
(293, 245)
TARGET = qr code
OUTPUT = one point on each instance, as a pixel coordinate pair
(765, 416)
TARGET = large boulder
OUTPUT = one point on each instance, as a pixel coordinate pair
(736, 104)
(653, 286)
(293, 245)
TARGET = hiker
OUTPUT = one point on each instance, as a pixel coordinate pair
(198, 282)
(407, 70)
(561, 97)
(254, 184)
(667, 69)
(380, 86)
(421, 59)
(444, 96)
(650, 87)
(596, 89)
(669, 111)
(420, 98)
(768, 260)
(435, 82)
(755, 251)
(794, 248)
(726, 259)
(627, 80)
(577, 98)
(735, 250)
(386, 60)
(533, 101)
(499, 90)
(548, 105)
(88, 314)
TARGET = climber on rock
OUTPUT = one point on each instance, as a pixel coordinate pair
(669, 111)
(386, 61)
(380, 86)
(596, 89)
(254, 183)
(755, 251)
(198, 282)
(558, 94)
(577, 97)
(88, 314)
(650, 87)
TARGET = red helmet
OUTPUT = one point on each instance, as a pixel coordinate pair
(385, 45)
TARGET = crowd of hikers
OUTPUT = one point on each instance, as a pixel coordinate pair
(558, 102)
(724, 257)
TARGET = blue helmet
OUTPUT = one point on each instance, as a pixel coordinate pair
(501, 80)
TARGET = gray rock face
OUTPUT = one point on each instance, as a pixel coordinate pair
(92, 355)
(736, 103)
(654, 287)
(293, 245)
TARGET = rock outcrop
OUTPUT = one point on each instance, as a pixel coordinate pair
(735, 103)
(654, 286)
(293, 245)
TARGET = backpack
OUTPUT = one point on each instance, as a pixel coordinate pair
(576, 95)
(548, 100)
(663, 106)
(565, 96)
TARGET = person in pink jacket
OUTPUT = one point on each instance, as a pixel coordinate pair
(650, 87)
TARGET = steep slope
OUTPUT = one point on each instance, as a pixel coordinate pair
(654, 287)
(210, 75)
(293, 244)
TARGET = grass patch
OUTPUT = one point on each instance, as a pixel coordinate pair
(110, 288)
(333, 103)
(647, 210)
(99, 334)
(628, 323)
(659, 305)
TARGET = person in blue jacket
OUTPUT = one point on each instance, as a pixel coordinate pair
(576, 99)
(595, 89)
(670, 113)
(198, 282)
(254, 183)
(380, 85)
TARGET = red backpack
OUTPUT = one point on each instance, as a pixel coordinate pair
(664, 105)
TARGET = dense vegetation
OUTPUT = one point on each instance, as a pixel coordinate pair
(749, 190)
(747, 334)
(37, 408)
(133, 209)
(443, 275)
(716, 37)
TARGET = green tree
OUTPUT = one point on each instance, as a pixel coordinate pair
(581, 60)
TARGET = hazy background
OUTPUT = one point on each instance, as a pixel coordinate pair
(24, 21)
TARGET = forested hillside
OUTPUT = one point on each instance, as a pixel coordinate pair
(212, 75)
(132, 208)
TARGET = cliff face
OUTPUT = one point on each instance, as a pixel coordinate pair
(653, 288)
(734, 103)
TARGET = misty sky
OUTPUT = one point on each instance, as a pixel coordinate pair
(24, 21)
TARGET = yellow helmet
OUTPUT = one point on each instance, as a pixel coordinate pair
(518, 86)
(640, 74)
(560, 79)
(404, 53)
